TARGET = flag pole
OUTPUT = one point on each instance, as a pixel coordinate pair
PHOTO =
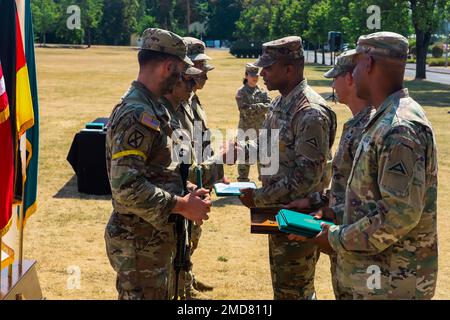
(20, 210)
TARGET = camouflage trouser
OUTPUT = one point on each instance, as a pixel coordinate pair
(340, 292)
(195, 238)
(292, 265)
(142, 256)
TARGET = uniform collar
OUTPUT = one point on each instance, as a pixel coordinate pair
(143, 89)
(400, 94)
(193, 96)
(287, 101)
(358, 117)
(250, 88)
(389, 103)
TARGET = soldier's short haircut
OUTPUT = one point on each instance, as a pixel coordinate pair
(150, 56)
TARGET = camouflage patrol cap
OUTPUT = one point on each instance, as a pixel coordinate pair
(251, 70)
(165, 41)
(285, 48)
(196, 49)
(386, 44)
(344, 63)
(204, 65)
(192, 71)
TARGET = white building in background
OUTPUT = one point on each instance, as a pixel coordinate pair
(197, 28)
(136, 40)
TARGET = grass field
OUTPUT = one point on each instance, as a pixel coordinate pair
(77, 86)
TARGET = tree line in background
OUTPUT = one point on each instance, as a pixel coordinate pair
(112, 22)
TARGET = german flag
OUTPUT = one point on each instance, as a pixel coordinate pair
(6, 172)
(15, 72)
(6, 160)
(8, 137)
(19, 116)
(24, 102)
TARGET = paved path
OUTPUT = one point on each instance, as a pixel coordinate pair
(434, 74)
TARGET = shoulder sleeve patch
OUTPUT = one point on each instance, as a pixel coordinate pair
(312, 141)
(135, 139)
(398, 171)
(150, 121)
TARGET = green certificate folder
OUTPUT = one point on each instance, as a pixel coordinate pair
(232, 189)
(299, 223)
(95, 125)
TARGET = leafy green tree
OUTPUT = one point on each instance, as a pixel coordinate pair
(319, 24)
(394, 15)
(119, 21)
(91, 15)
(145, 22)
(255, 19)
(223, 15)
(290, 17)
(45, 16)
(427, 15)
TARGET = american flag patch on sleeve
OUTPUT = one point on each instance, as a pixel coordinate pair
(150, 121)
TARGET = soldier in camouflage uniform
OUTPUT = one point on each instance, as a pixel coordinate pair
(175, 104)
(307, 131)
(145, 181)
(196, 51)
(194, 117)
(387, 246)
(343, 159)
(253, 104)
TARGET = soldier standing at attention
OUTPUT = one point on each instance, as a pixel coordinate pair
(192, 111)
(307, 128)
(196, 119)
(196, 52)
(387, 246)
(145, 182)
(253, 104)
(345, 87)
(173, 103)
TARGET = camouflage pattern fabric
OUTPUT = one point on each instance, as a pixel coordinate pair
(343, 160)
(199, 111)
(285, 48)
(196, 49)
(140, 240)
(389, 222)
(165, 41)
(342, 165)
(344, 63)
(307, 131)
(253, 104)
(211, 171)
(385, 44)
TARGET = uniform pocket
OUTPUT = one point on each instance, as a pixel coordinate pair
(120, 245)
